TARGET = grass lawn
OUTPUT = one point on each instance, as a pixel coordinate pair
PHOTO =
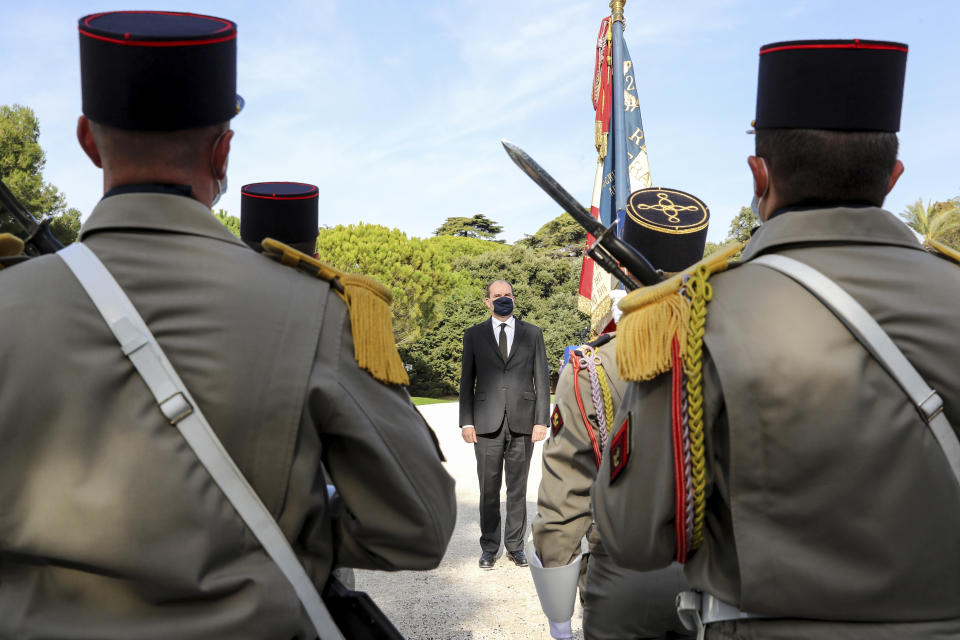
(421, 400)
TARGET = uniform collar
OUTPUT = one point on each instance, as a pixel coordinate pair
(510, 322)
(156, 211)
(833, 225)
(152, 187)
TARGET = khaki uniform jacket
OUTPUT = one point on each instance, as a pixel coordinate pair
(828, 498)
(110, 528)
(619, 604)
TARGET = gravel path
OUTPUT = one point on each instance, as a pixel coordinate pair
(457, 600)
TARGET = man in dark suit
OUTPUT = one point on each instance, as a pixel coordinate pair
(504, 405)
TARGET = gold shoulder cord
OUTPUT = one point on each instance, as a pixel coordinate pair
(368, 303)
(653, 316)
(948, 252)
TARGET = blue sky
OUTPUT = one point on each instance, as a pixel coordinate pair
(395, 109)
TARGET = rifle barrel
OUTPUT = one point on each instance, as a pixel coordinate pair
(39, 237)
(627, 256)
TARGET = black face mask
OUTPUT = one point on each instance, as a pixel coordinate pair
(503, 306)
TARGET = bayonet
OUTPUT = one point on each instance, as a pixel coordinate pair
(607, 249)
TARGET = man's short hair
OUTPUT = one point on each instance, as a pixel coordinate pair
(177, 148)
(493, 282)
(817, 166)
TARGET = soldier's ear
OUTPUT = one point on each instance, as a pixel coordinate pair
(761, 176)
(221, 153)
(87, 142)
(897, 172)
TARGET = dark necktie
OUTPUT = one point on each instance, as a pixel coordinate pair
(503, 340)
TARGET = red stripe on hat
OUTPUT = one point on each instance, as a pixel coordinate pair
(276, 197)
(226, 23)
(855, 45)
(158, 43)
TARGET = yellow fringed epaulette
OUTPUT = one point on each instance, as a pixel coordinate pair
(653, 315)
(938, 247)
(368, 303)
(10, 246)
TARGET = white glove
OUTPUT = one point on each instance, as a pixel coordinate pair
(560, 630)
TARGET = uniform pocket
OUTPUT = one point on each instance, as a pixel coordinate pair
(529, 395)
(482, 396)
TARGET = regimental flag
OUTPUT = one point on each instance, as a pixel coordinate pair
(621, 146)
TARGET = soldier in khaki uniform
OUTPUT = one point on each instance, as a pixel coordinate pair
(110, 527)
(820, 502)
(618, 603)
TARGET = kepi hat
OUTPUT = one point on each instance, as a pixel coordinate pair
(284, 211)
(843, 85)
(158, 70)
(668, 226)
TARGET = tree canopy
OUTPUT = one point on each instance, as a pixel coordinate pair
(22, 161)
(563, 235)
(479, 226)
(938, 221)
(232, 223)
(742, 225)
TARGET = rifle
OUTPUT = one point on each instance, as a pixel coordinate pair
(610, 252)
(39, 238)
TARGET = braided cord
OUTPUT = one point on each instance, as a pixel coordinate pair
(607, 396)
(700, 292)
(687, 464)
(596, 392)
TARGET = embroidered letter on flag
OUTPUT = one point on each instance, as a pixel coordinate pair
(620, 141)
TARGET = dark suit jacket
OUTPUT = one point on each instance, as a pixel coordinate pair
(490, 387)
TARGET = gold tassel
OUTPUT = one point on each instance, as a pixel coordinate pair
(373, 345)
(10, 245)
(653, 315)
(368, 303)
(645, 334)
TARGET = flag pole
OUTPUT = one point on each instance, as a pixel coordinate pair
(621, 176)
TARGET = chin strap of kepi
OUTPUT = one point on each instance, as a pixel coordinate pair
(368, 302)
(662, 331)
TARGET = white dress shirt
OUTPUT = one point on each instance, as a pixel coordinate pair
(510, 322)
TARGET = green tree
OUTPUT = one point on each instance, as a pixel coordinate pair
(479, 226)
(21, 167)
(417, 272)
(546, 288)
(563, 235)
(952, 238)
(742, 225)
(934, 221)
(232, 223)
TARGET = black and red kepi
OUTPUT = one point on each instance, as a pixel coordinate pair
(843, 85)
(284, 211)
(158, 70)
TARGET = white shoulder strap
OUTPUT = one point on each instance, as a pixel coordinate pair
(862, 325)
(179, 407)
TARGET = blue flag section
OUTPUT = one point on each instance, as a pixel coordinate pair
(625, 168)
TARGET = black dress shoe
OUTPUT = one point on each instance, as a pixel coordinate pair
(487, 559)
(518, 558)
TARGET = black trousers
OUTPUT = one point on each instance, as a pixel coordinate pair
(496, 452)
